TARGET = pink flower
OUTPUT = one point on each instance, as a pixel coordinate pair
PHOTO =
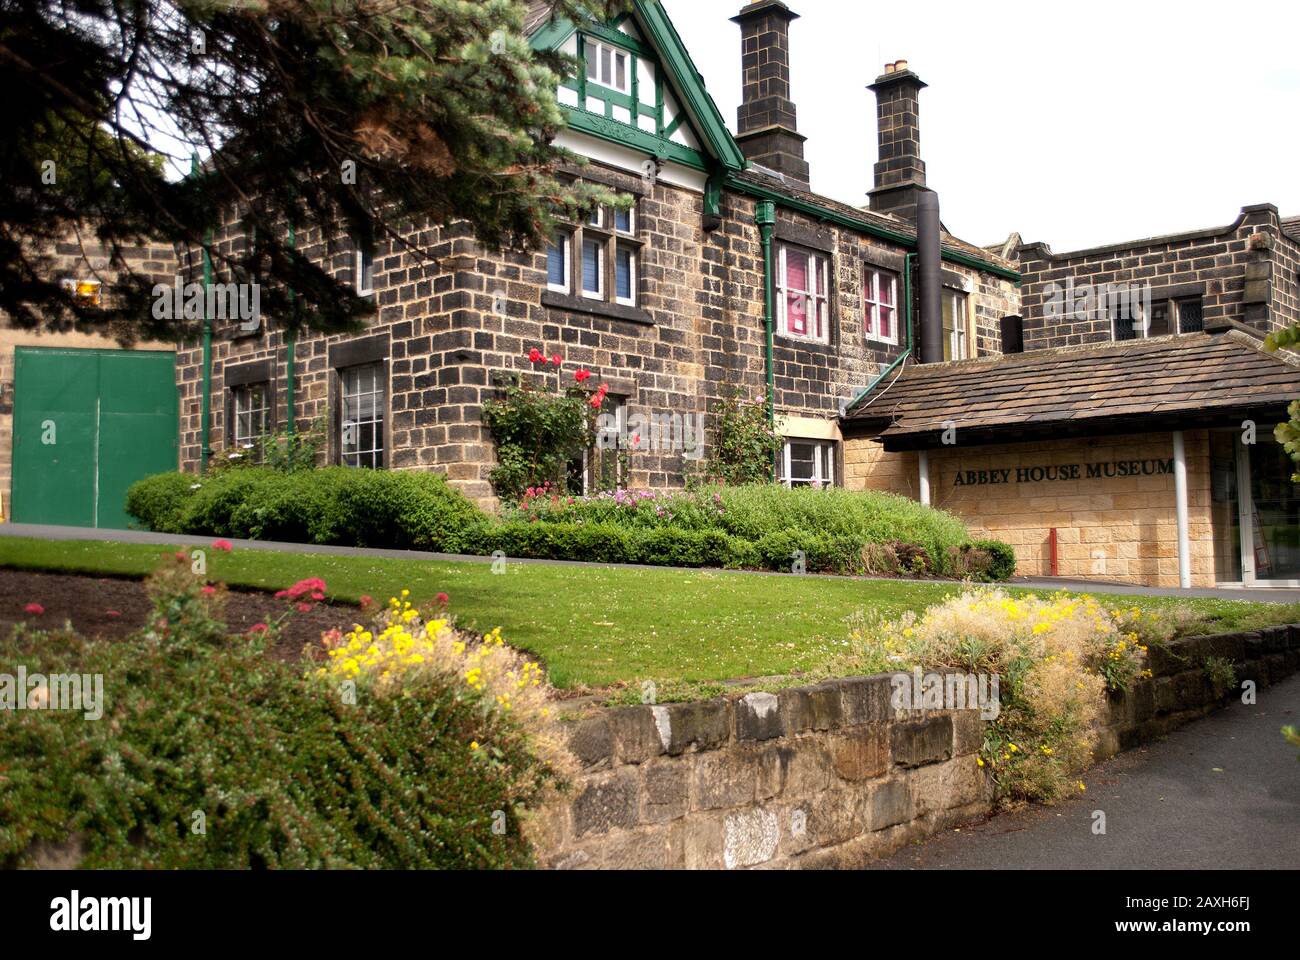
(258, 628)
(113, 613)
(442, 599)
(535, 356)
(313, 587)
(557, 360)
(367, 601)
(35, 609)
(225, 546)
(304, 607)
(209, 590)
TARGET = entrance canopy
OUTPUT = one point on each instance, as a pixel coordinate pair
(1175, 383)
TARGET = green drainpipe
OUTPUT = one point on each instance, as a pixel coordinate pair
(290, 349)
(907, 325)
(206, 451)
(765, 217)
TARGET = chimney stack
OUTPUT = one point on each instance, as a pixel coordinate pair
(768, 129)
(900, 172)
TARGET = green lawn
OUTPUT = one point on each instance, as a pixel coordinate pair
(600, 626)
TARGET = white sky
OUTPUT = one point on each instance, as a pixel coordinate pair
(1075, 123)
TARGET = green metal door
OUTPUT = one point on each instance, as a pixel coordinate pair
(87, 425)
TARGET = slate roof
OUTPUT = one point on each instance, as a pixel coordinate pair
(1163, 382)
(1291, 227)
(539, 11)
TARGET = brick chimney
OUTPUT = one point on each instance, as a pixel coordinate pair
(900, 172)
(768, 131)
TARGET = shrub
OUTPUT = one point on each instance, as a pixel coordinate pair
(1002, 559)
(334, 505)
(1056, 660)
(212, 756)
(745, 444)
(594, 543)
(159, 501)
(536, 432)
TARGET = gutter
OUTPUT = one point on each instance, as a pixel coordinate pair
(765, 219)
(864, 226)
(290, 350)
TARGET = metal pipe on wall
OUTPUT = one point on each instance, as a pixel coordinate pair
(929, 256)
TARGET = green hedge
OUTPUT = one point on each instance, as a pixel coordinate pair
(334, 506)
(761, 527)
(282, 771)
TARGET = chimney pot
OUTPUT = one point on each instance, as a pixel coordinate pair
(899, 171)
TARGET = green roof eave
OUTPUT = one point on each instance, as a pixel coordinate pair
(864, 226)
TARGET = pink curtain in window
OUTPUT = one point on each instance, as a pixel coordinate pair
(796, 279)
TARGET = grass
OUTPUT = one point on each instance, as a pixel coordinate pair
(605, 627)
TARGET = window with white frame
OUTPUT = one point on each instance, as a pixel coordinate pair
(956, 335)
(608, 65)
(593, 268)
(558, 266)
(250, 407)
(361, 415)
(607, 254)
(602, 467)
(803, 305)
(808, 463)
(880, 304)
(363, 267)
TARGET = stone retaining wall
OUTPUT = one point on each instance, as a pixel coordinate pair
(828, 775)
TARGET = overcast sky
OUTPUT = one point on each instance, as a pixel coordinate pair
(1074, 123)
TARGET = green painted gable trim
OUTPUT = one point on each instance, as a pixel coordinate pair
(674, 63)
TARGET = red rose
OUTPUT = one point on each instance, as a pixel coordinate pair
(582, 376)
(442, 599)
(258, 628)
(35, 609)
(535, 356)
(225, 546)
(557, 360)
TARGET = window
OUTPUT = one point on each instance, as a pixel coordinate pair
(608, 66)
(557, 263)
(602, 467)
(608, 258)
(1191, 315)
(361, 416)
(250, 416)
(808, 463)
(955, 334)
(593, 269)
(1185, 315)
(363, 275)
(625, 275)
(880, 305)
(802, 305)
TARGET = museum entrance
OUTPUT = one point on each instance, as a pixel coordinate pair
(1255, 512)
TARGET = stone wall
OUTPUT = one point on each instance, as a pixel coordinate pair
(830, 776)
(815, 777)
(1179, 690)
(1120, 528)
(1245, 271)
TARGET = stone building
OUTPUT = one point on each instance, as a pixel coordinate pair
(666, 304)
(81, 416)
(1132, 439)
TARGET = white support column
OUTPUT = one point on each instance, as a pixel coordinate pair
(1180, 506)
(923, 462)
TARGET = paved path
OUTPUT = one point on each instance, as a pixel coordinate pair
(1223, 792)
(46, 532)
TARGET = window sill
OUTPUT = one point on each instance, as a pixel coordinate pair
(597, 308)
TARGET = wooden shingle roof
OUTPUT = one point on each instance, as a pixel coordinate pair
(1165, 382)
